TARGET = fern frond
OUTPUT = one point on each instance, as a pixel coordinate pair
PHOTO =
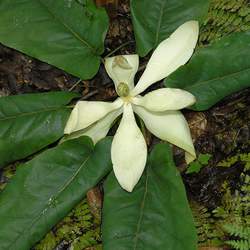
(79, 229)
(240, 231)
(225, 17)
(230, 222)
(239, 244)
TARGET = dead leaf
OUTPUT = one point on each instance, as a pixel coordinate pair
(197, 123)
(94, 199)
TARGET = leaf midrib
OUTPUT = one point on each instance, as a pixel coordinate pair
(159, 23)
(217, 78)
(54, 196)
(141, 212)
(33, 113)
(68, 28)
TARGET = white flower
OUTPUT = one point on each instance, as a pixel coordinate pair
(158, 109)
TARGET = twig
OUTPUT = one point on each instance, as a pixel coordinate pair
(89, 95)
(75, 84)
(118, 48)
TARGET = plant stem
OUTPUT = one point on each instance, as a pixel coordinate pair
(75, 84)
(118, 48)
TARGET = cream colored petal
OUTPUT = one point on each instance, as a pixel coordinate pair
(169, 126)
(98, 130)
(86, 113)
(122, 69)
(165, 99)
(128, 151)
(169, 55)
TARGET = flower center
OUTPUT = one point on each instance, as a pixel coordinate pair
(123, 89)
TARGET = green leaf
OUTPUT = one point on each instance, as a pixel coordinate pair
(194, 167)
(215, 71)
(30, 122)
(154, 21)
(204, 158)
(155, 215)
(64, 33)
(45, 189)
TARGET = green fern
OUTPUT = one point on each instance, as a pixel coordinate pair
(86, 240)
(237, 231)
(79, 230)
(205, 224)
(225, 17)
(236, 158)
(229, 223)
(239, 244)
(235, 210)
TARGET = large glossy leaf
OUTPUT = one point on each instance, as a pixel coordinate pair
(215, 71)
(30, 122)
(154, 21)
(64, 33)
(45, 189)
(155, 215)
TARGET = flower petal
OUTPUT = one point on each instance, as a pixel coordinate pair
(122, 69)
(86, 113)
(165, 99)
(169, 126)
(98, 130)
(128, 151)
(169, 55)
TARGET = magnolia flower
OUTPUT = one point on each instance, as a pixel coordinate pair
(159, 109)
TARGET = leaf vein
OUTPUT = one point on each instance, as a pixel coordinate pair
(159, 23)
(32, 113)
(136, 237)
(75, 34)
(54, 196)
(220, 77)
